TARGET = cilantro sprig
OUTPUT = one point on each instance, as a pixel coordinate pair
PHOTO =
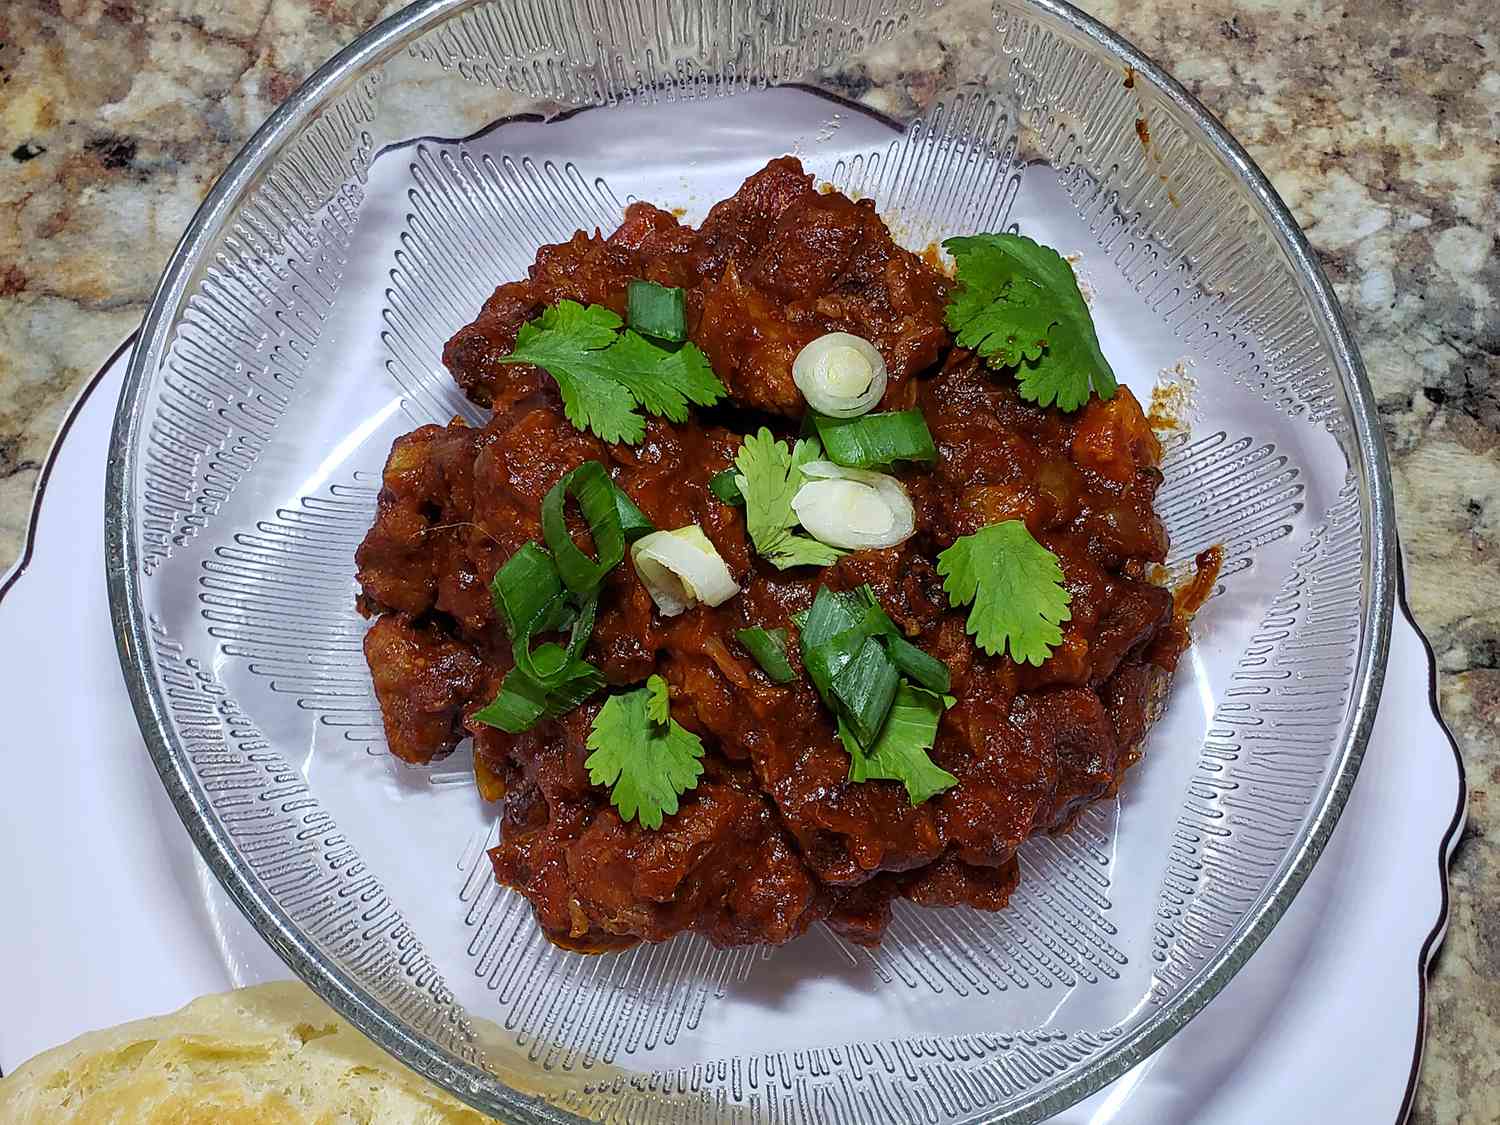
(1016, 587)
(604, 374)
(769, 476)
(1018, 305)
(642, 754)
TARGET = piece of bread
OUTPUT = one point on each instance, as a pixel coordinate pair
(270, 1055)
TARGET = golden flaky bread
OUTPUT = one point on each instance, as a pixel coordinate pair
(270, 1055)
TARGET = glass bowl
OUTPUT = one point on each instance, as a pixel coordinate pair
(298, 330)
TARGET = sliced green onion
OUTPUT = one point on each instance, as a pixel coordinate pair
(927, 671)
(831, 613)
(921, 668)
(519, 705)
(656, 310)
(768, 646)
(825, 661)
(595, 492)
(549, 680)
(836, 632)
(546, 665)
(550, 664)
(583, 626)
(853, 508)
(876, 439)
(525, 590)
(864, 688)
(633, 521)
(528, 595)
(682, 568)
(840, 374)
(582, 681)
(522, 702)
(726, 488)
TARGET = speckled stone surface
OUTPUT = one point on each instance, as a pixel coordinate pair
(1375, 119)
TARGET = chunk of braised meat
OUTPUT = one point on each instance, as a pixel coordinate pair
(1002, 458)
(423, 680)
(846, 832)
(951, 882)
(824, 263)
(587, 268)
(1070, 726)
(861, 914)
(429, 472)
(721, 866)
(771, 268)
(1005, 779)
(1133, 698)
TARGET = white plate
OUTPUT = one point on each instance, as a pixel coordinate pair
(110, 915)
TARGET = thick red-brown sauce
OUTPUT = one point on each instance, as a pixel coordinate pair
(774, 838)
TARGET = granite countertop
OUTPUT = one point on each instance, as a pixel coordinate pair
(1376, 122)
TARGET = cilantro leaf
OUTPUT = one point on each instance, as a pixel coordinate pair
(646, 764)
(769, 476)
(603, 374)
(663, 381)
(900, 751)
(571, 342)
(1016, 586)
(658, 701)
(1018, 305)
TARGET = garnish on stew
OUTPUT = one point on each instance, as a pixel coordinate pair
(604, 374)
(1018, 305)
(644, 756)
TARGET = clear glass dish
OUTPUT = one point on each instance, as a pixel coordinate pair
(298, 330)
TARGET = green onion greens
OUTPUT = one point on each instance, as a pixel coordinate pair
(873, 440)
(768, 646)
(862, 667)
(540, 591)
(657, 311)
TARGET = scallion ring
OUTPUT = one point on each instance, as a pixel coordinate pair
(853, 508)
(633, 521)
(768, 646)
(596, 496)
(840, 374)
(682, 568)
(864, 688)
(526, 592)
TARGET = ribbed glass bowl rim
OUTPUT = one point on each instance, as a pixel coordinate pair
(466, 1080)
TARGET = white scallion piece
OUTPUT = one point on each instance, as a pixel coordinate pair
(841, 375)
(681, 568)
(853, 508)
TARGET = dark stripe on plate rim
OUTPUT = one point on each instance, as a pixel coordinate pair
(1446, 846)
(29, 541)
